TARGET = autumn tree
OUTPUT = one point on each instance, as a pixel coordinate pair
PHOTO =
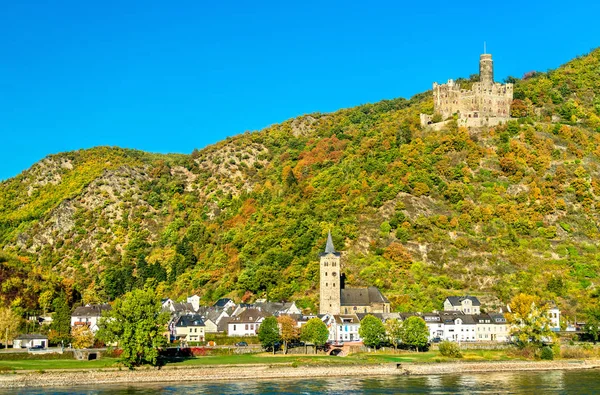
(529, 321)
(136, 324)
(288, 328)
(82, 336)
(9, 325)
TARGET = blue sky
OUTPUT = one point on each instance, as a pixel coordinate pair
(173, 76)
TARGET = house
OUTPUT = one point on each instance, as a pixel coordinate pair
(491, 327)
(190, 328)
(502, 333)
(224, 303)
(435, 325)
(464, 304)
(458, 326)
(176, 308)
(194, 300)
(554, 315)
(30, 340)
(89, 315)
(343, 328)
(246, 323)
(212, 317)
(279, 308)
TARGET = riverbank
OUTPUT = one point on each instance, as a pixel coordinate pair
(71, 378)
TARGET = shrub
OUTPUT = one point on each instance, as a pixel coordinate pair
(547, 354)
(450, 349)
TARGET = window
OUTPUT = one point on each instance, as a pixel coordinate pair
(234, 327)
(246, 327)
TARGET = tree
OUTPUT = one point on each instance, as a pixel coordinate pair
(372, 331)
(288, 329)
(314, 331)
(592, 323)
(268, 333)
(393, 330)
(414, 332)
(61, 320)
(83, 337)
(9, 325)
(136, 324)
(528, 320)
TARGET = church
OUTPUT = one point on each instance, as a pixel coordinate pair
(335, 298)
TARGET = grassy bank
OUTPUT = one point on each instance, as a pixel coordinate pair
(265, 358)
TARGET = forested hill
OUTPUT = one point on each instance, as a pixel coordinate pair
(420, 214)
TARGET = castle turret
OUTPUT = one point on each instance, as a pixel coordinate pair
(330, 295)
(486, 69)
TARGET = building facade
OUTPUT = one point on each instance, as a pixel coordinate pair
(487, 103)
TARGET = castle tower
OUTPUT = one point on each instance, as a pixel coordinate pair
(330, 273)
(486, 69)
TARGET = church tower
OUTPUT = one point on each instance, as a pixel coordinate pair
(330, 273)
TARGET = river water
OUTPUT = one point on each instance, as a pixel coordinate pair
(543, 382)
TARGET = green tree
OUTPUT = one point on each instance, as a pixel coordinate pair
(393, 330)
(314, 331)
(9, 325)
(61, 320)
(592, 323)
(372, 331)
(136, 324)
(268, 333)
(414, 332)
(528, 320)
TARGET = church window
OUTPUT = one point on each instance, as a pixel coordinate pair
(326, 284)
(334, 284)
(325, 273)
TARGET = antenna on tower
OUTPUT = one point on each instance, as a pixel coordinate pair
(484, 49)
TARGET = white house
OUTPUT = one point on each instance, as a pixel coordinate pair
(343, 328)
(554, 315)
(89, 315)
(458, 327)
(245, 324)
(194, 300)
(435, 325)
(464, 304)
(30, 340)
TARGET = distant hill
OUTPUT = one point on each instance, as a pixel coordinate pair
(418, 213)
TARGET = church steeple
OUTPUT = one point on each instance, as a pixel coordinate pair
(329, 248)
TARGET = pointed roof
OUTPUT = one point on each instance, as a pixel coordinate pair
(329, 248)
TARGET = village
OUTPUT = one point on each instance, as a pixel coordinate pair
(341, 309)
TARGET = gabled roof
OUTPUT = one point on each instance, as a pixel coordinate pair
(457, 300)
(32, 336)
(189, 320)
(222, 302)
(249, 316)
(498, 318)
(361, 296)
(346, 319)
(449, 317)
(91, 310)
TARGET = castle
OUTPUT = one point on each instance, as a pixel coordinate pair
(335, 298)
(486, 104)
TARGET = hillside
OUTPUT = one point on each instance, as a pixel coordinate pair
(420, 214)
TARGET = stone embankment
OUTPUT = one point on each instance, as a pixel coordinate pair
(69, 378)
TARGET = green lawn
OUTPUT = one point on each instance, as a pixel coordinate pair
(265, 358)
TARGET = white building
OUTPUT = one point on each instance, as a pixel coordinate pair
(30, 340)
(435, 325)
(89, 315)
(464, 304)
(458, 327)
(343, 328)
(245, 324)
(554, 315)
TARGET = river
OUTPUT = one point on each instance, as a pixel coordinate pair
(538, 382)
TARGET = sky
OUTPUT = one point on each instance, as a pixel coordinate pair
(173, 76)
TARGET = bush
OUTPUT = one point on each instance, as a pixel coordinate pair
(450, 349)
(547, 354)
